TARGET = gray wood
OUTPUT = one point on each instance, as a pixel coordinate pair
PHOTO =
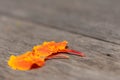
(90, 26)
(102, 61)
(99, 19)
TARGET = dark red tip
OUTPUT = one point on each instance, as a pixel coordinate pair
(76, 52)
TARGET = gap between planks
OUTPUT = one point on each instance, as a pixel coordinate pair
(40, 23)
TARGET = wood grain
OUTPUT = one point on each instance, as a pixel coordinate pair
(97, 19)
(90, 26)
(17, 36)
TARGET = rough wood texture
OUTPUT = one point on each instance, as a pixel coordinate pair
(19, 36)
(94, 18)
(90, 26)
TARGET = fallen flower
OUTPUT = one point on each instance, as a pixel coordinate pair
(40, 53)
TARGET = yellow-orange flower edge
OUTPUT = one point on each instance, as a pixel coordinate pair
(40, 53)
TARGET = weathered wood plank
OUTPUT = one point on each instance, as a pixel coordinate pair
(102, 61)
(95, 18)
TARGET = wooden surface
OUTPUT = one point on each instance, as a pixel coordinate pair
(90, 26)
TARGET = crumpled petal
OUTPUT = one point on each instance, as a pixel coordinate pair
(39, 54)
(25, 62)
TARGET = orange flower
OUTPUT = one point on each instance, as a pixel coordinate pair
(40, 53)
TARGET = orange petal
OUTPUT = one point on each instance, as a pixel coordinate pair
(24, 63)
(36, 58)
